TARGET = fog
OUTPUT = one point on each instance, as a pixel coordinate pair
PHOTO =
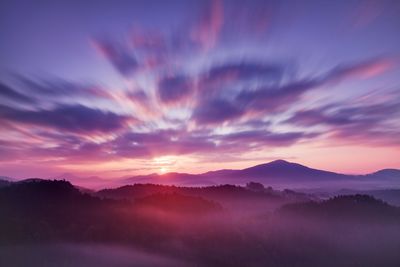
(81, 255)
(60, 226)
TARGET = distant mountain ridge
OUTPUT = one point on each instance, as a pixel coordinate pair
(278, 173)
(281, 169)
(272, 173)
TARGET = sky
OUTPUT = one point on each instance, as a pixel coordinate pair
(118, 88)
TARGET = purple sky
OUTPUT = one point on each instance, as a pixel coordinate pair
(112, 88)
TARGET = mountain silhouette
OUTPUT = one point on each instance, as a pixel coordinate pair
(281, 169)
(279, 173)
(188, 223)
(4, 183)
(387, 173)
(230, 196)
(343, 207)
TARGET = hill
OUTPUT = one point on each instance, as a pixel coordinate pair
(279, 173)
(344, 207)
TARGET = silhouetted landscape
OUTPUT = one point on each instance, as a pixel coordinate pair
(220, 225)
(279, 173)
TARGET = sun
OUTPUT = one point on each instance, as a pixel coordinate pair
(163, 163)
(163, 170)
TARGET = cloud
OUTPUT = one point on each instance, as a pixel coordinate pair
(180, 142)
(207, 31)
(46, 92)
(263, 137)
(358, 123)
(214, 103)
(69, 118)
(219, 83)
(269, 98)
(346, 115)
(270, 95)
(174, 89)
(249, 19)
(233, 72)
(137, 96)
(216, 111)
(263, 100)
(363, 70)
(55, 88)
(160, 142)
(218, 77)
(315, 117)
(119, 56)
(10, 94)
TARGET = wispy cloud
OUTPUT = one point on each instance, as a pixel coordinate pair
(225, 78)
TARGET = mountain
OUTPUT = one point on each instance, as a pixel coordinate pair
(179, 223)
(391, 196)
(278, 173)
(346, 207)
(171, 178)
(280, 170)
(4, 183)
(386, 173)
(92, 182)
(251, 198)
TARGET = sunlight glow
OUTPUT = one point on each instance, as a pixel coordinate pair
(163, 170)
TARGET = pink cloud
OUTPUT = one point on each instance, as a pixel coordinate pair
(210, 25)
(363, 70)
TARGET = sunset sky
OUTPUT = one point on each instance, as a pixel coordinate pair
(117, 88)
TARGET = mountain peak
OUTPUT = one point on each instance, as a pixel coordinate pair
(279, 162)
(388, 172)
(282, 169)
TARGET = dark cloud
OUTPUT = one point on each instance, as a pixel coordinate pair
(174, 89)
(263, 137)
(254, 123)
(315, 117)
(70, 118)
(270, 99)
(214, 111)
(35, 93)
(66, 139)
(245, 70)
(269, 94)
(371, 123)
(346, 115)
(119, 56)
(11, 94)
(266, 99)
(211, 107)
